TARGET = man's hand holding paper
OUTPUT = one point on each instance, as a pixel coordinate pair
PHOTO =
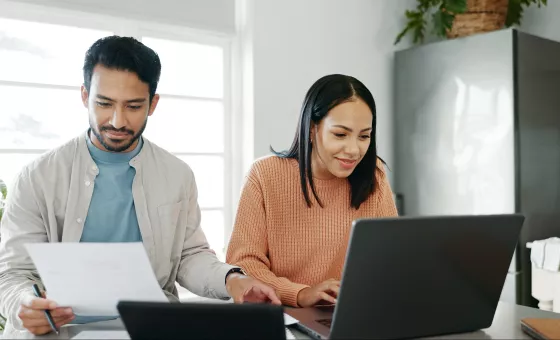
(32, 315)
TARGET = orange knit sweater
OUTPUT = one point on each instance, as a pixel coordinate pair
(280, 241)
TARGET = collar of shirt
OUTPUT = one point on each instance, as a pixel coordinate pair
(99, 155)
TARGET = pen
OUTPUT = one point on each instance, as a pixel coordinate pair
(47, 313)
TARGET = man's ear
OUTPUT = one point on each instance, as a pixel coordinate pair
(153, 104)
(85, 96)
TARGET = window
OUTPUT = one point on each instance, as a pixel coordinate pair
(189, 122)
(40, 78)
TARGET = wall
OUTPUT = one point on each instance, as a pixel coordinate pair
(543, 21)
(296, 42)
(215, 15)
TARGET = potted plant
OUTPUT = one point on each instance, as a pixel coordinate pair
(3, 194)
(459, 18)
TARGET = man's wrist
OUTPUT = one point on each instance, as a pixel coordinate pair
(235, 270)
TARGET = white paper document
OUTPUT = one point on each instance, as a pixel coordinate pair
(288, 320)
(289, 335)
(123, 335)
(93, 277)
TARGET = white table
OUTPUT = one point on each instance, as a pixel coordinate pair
(505, 326)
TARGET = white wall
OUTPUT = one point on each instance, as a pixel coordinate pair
(543, 21)
(295, 42)
(216, 15)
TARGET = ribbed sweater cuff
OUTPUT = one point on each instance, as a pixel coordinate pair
(289, 293)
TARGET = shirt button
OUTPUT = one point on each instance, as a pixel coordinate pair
(88, 183)
(79, 220)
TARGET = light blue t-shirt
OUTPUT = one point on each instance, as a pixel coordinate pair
(111, 215)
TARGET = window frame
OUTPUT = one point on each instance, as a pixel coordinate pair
(138, 28)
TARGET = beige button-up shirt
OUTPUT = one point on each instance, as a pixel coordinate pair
(49, 203)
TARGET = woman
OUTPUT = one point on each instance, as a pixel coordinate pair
(297, 207)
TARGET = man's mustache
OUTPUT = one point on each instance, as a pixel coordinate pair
(122, 130)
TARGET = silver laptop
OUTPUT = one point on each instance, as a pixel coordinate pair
(418, 276)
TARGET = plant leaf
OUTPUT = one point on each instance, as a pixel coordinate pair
(443, 21)
(455, 6)
(401, 35)
(514, 13)
(3, 189)
(415, 24)
(419, 29)
(516, 9)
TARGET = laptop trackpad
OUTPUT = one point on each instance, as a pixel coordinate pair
(312, 320)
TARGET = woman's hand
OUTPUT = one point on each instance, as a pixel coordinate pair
(324, 291)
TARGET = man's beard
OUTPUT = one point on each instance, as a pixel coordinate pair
(97, 132)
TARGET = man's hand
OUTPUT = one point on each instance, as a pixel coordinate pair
(247, 289)
(32, 314)
(324, 291)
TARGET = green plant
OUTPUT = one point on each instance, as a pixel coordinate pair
(3, 194)
(2, 322)
(443, 14)
(515, 10)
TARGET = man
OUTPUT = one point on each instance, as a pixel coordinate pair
(112, 185)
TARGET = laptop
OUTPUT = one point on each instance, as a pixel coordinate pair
(161, 320)
(411, 277)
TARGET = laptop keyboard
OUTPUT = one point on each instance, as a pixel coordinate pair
(325, 322)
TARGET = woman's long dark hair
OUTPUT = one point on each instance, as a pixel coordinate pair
(326, 93)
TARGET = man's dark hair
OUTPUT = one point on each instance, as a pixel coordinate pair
(126, 54)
